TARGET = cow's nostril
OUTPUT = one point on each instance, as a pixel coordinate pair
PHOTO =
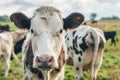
(51, 60)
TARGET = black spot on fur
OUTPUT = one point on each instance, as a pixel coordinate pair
(71, 47)
(77, 68)
(75, 42)
(83, 45)
(79, 37)
(40, 75)
(75, 46)
(66, 36)
(68, 49)
(74, 33)
(79, 59)
(80, 53)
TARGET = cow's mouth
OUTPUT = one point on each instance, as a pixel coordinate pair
(45, 67)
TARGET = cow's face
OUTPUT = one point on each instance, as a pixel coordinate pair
(46, 27)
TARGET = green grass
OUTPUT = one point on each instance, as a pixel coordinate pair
(12, 26)
(110, 69)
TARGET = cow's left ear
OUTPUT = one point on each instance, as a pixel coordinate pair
(20, 20)
(73, 20)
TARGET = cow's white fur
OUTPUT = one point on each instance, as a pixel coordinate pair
(46, 38)
(90, 56)
(7, 40)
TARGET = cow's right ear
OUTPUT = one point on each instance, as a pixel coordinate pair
(73, 20)
(20, 20)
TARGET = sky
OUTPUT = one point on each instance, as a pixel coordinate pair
(103, 8)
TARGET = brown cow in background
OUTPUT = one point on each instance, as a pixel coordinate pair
(94, 21)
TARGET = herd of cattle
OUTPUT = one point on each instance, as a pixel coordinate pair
(52, 41)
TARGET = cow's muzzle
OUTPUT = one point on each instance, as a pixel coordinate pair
(45, 62)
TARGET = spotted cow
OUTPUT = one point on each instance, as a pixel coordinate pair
(44, 49)
(85, 50)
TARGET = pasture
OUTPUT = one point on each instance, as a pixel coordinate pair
(110, 69)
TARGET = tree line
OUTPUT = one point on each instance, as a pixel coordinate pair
(94, 15)
(4, 18)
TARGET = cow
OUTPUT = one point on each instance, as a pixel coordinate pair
(44, 49)
(94, 21)
(4, 28)
(7, 40)
(85, 47)
(110, 35)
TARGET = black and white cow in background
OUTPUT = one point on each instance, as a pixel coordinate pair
(85, 50)
(111, 35)
(44, 50)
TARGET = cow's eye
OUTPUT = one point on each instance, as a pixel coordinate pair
(33, 32)
(61, 31)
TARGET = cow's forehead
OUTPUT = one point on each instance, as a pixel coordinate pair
(47, 11)
(47, 19)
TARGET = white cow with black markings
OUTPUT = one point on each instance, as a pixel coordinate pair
(44, 50)
(85, 47)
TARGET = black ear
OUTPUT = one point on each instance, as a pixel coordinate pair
(73, 20)
(20, 20)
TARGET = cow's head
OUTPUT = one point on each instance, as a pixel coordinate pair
(46, 27)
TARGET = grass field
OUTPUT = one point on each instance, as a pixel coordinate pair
(110, 69)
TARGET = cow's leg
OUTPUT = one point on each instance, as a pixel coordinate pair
(78, 73)
(113, 42)
(97, 65)
(14, 56)
(78, 67)
(7, 65)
